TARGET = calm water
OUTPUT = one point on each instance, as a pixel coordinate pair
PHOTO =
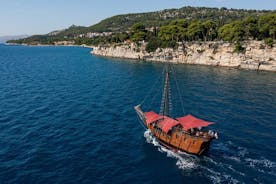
(67, 117)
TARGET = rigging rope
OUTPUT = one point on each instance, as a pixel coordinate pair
(178, 89)
(165, 107)
(154, 97)
(150, 91)
(154, 88)
(163, 99)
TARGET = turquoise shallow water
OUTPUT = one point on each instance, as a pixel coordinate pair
(67, 116)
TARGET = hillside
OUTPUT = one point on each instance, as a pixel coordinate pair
(122, 23)
(159, 18)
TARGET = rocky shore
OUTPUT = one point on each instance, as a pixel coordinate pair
(256, 56)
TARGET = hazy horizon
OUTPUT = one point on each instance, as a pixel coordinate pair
(31, 17)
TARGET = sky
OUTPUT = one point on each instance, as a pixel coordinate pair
(30, 17)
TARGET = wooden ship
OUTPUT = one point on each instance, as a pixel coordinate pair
(179, 134)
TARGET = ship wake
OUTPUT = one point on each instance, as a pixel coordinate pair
(229, 163)
(184, 161)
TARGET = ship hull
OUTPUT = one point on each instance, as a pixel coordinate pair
(176, 138)
(180, 141)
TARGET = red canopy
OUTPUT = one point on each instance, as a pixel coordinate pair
(190, 121)
(151, 117)
(167, 123)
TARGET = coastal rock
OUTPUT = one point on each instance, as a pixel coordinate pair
(256, 56)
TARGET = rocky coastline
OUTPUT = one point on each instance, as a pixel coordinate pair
(256, 55)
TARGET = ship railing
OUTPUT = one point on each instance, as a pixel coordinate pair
(197, 134)
(160, 132)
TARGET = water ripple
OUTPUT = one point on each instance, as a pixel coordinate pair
(67, 117)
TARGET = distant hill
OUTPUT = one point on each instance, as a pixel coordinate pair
(159, 18)
(121, 23)
(3, 39)
(124, 22)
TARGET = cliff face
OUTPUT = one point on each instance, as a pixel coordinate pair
(256, 56)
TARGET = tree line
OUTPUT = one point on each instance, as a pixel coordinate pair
(262, 27)
(182, 30)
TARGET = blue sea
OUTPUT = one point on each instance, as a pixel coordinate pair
(67, 116)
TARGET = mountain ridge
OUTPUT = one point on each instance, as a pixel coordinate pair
(123, 22)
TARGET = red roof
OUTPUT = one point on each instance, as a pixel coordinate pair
(167, 123)
(151, 117)
(190, 121)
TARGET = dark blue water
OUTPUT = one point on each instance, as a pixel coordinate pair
(67, 117)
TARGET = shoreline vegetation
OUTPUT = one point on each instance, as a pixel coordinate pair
(208, 36)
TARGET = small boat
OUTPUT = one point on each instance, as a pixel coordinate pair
(179, 134)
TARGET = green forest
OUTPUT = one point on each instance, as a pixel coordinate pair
(169, 27)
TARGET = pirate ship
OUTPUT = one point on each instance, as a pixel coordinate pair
(180, 134)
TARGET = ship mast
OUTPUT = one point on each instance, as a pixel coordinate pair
(166, 97)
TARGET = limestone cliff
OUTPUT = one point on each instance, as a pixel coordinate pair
(256, 56)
